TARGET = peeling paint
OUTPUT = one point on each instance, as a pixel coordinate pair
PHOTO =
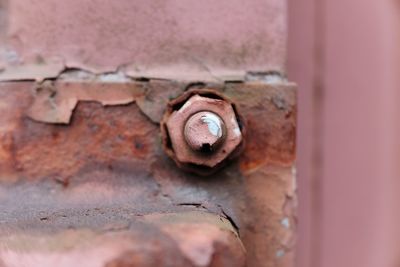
(270, 77)
(54, 102)
(58, 70)
(34, 72)
(79, 75)
(108, 163)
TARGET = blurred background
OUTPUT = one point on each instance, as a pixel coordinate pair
(344, 54)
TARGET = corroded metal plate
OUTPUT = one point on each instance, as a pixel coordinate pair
(82, 160)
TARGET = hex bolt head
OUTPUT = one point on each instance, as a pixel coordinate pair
(202, 130)
(205, 131)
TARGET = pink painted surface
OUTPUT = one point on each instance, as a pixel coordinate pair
(349, 216)
(359, 153)
(301, 68)
(149, 38)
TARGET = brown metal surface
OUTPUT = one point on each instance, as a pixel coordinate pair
(102, 164)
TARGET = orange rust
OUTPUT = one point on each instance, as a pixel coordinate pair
(268, 125)
(108, 164)
(95, 135)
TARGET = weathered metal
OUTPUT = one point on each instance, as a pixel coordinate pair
(84, 179)
(191, 145)
(78, 158)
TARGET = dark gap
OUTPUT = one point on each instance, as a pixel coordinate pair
(229, 218)
(206, 148)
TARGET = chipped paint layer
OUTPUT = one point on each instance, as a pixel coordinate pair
(54, 102)
(35, 72)
(106, 169)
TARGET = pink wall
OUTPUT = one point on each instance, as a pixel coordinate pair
(344, 55)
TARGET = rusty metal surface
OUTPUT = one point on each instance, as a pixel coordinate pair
(106, 164)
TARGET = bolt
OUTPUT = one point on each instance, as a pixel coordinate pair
(204, 131)
(201, 131)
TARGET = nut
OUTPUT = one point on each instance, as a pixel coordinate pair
(202, 131)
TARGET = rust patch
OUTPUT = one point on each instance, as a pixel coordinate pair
(269, 126)
(107, 167)
(103, 136)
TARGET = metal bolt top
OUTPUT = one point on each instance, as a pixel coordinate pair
(204, 131)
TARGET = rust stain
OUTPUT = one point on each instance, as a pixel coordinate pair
(107, 165)
(95, 135)
(270, 126)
